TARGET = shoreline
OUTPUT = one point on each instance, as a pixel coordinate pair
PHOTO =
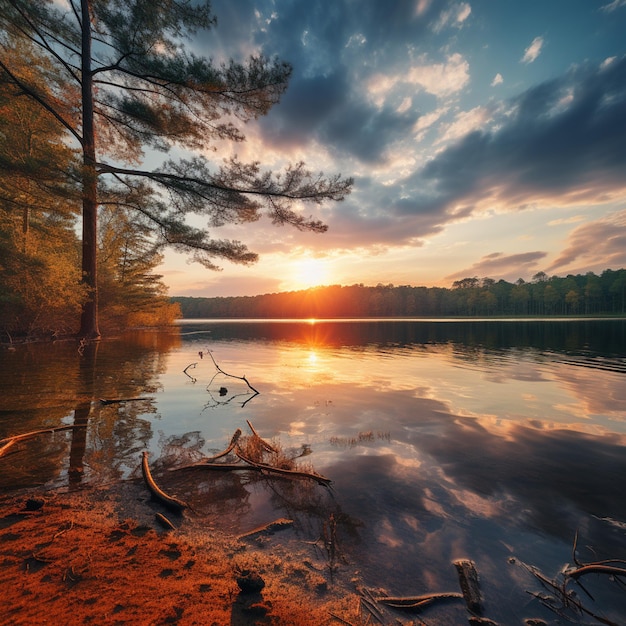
(77, 557)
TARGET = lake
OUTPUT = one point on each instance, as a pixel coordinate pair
(503, 442)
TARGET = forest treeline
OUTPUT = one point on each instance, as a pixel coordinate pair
(582, 294)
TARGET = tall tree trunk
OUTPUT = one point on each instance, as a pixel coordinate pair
(89, 319)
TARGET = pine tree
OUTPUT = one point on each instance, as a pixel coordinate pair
(141, 89)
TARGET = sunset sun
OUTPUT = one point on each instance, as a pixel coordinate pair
(309, 272)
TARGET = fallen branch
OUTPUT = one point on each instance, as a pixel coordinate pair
(417, 602)
(120, 400)
(9, 441)
(278, 524)
(567, 599)
(229, 449)
(229, 467)
(595, 568)
(367, 600)
(285, 472)
(6, 446)
(219, 369)
(169, 501)
(268, 447)
(340, 619)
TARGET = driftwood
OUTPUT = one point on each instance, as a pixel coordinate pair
(417, 602)
(227, 467)
(169, 501)
(6, 446)
(468, 581)
(250, 465)
(268, 447)
(595, 568)
(284, 472)
(6, 443)
(562, 594)
(230, 448)
(278, 524)
(120, 400)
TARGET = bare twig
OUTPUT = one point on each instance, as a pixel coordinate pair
(340, 619)
(265, 444)
(219, 369)
(190, 366)
(286, 472)
(164, 521)
(595, 568)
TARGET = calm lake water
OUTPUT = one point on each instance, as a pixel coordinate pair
(496, 441)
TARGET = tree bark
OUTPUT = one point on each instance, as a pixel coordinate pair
(89, 319)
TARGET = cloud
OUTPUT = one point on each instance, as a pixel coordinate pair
(440, 79)
(567, 220)
(600, 244)
(220, 285)
(533, 51)
(499, 265)
(454, 16)
(369, 105)
(464, 123)
(546, 150)
(612, 6)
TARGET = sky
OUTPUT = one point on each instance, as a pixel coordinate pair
(486, 138)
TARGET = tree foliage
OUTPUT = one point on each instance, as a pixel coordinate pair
(39, 252)
(581, 294)
(142, 88)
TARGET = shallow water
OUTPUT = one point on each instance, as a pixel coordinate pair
(495, 441)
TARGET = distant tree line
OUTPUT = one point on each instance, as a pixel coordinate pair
(582, 294)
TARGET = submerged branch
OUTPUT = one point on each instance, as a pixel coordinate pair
(121, 400)
(278, 524)
(190, 366)
(169, 501)
(595, 568)
(9, 441)
(245, 380)
(285, 472)
(228, 467)
(417, 602)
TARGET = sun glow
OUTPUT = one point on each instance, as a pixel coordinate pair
(309, 272)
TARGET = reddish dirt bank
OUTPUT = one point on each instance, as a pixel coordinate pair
(72, 558)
